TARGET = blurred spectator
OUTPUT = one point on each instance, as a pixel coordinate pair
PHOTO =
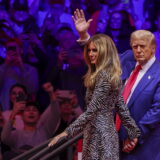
(70, 110)
(52, 19)
(101, 15)
(35, 52)
(67, 73)
(119, 29)
(143, 11)
(69, 107)
(14, 70)
(36, 129)
(114, 5)
(39, 9)
(21, 20)
(18, 97)
(6, 32)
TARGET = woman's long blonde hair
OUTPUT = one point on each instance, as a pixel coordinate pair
(107, 60)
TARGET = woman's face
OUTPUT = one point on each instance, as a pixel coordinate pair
(116, 21)
(14, 92)
(92, 53)
(102, 25)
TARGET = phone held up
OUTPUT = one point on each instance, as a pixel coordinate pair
(21, 97)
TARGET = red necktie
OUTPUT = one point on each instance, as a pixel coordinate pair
(127, 90)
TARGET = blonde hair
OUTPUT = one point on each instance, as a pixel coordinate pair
(144, 35)
(107, 60)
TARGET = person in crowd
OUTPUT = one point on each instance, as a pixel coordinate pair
(101, 15)
(68, 72)
(119, 29)
(20, 18)
(36, 129)
(143, 100)
(103, 96)
(144, 13)
(14, 70)
(34, 52)
(70, 110)
(18, 97)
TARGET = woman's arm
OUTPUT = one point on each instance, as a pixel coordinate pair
(81, 25)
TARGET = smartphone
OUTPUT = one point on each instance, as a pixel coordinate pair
(21, 97)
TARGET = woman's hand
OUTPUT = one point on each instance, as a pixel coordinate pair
(129, 145)
(55, 139)
(81, 24)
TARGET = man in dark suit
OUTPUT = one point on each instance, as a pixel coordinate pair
(144, 99)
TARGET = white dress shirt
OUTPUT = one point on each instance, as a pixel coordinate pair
(141, 74)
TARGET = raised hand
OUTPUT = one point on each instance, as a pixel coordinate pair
(129, 145)
(80, 22)
(48, 87)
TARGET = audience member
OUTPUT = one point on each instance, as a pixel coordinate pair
(68, 72)
(14, 70)
(119, 29)
(70, 110)
(142, 12)
(34, 52)
(36, 129)
(18, 97)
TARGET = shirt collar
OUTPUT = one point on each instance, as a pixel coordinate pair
(148, 64)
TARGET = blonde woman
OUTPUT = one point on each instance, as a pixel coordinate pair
(103, 96)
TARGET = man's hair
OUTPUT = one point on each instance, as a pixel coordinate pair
(20, 86)
(34, 104)
(144, 35)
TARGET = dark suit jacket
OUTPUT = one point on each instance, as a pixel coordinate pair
(144, 106)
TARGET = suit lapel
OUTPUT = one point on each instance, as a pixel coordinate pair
(146, 79)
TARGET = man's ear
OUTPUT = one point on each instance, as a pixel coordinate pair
(153, 47)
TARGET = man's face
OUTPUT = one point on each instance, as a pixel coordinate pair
(30, 115)
(116, 21)
(14, 54)
(66, 107)
(13, 50)
(143, 50)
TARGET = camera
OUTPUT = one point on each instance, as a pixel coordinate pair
(21, 97)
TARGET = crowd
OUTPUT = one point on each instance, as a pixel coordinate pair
(42, 66)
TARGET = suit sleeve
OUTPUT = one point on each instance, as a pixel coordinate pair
(151, 118)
